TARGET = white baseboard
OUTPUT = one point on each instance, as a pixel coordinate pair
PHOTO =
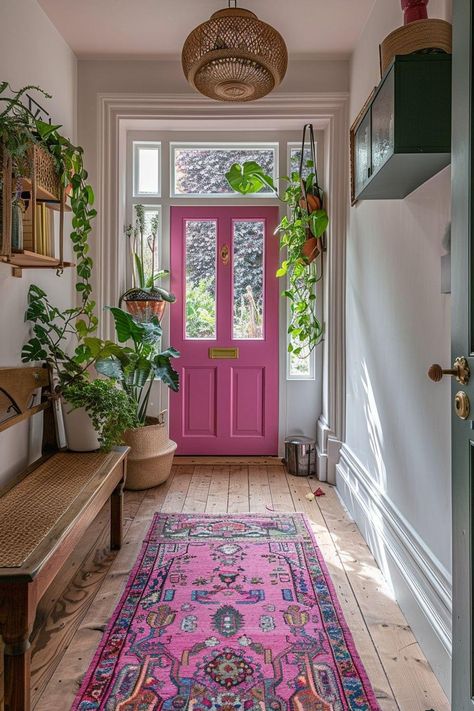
(421, 584)
(328, 447)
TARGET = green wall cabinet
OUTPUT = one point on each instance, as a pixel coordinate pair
(402, 137)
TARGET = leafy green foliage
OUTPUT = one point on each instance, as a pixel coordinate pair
(19, 130)
(54, 332)
(136, 366)
(110, 409)
(300, 224)
(200, 309)
(53, 329)
(248, 177)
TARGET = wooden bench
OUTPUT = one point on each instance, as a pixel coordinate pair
(43, 514)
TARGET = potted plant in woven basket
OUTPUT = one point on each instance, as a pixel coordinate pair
(301, 234)
(136, 367)
(145, 299)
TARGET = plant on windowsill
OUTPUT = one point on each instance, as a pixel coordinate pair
(145, 299)
(301, 235)
(136, 367)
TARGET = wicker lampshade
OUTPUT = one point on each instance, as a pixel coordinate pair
(234, 56)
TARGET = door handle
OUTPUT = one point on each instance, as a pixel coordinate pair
(460, 371)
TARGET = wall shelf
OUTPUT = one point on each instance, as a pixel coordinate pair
(25, 259)
(402, 137)
(40, 186)
(49, 198)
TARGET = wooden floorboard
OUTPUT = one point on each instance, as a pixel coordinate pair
(75, 611)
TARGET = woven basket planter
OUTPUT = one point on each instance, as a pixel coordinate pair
(150, 457)
(418, 36)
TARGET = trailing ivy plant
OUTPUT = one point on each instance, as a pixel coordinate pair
(305, 220)
(110, 409)
(20, 129)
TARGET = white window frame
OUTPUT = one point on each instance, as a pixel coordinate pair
(301, 376)
(136, 146)
(222, 145)
(312, 356)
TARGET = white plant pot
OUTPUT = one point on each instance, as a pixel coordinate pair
(80, 433)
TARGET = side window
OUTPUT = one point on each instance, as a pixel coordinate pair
(299, 367)
(146, 169)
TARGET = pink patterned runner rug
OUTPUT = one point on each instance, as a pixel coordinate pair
(228, 613)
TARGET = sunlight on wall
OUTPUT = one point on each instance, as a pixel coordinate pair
(374, 428)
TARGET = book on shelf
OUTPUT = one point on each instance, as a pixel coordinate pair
(44, 230)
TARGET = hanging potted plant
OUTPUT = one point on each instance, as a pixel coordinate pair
(145, 300)
(136, 367)
(301, 234)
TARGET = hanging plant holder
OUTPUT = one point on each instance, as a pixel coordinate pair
(144, 304)
(312, 199)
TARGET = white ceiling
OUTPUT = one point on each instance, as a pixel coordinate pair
(157, 28)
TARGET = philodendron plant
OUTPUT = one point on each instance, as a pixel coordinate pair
(301, 232)
(137, 365)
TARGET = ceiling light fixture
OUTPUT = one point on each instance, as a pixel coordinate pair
(234, 56)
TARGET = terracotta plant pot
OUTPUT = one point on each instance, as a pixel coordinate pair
(80, 433)
(311, 249)
(311, 203)
(143, 304)
(150, 457)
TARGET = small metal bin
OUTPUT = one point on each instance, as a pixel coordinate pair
(300, 455)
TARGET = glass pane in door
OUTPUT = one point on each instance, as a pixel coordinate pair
(201, 242)
(248, 278)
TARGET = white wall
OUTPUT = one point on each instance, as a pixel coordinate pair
(394, 474)
(31, 52)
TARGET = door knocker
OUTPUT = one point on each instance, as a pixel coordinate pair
(225, 254)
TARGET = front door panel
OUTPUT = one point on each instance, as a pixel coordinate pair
(225, 323)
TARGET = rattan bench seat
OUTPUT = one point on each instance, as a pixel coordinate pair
(30, 510)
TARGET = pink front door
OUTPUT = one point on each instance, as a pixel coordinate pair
(225, 323)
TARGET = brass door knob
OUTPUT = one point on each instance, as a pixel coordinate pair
(462, 405)
(460, 370)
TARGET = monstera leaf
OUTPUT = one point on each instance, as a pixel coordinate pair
(248, 177)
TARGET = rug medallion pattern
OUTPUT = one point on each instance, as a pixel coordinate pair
(228, 613)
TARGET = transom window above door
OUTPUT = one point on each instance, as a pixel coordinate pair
(198, 169)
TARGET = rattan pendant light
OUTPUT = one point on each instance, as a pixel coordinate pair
(234, 56)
